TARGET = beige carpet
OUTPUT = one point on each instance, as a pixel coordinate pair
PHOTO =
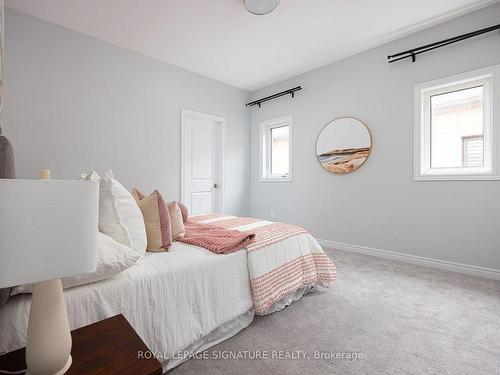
(404, 319)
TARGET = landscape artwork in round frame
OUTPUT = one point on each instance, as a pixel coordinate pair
(343, 145)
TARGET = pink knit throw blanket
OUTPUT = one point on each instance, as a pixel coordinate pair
(216, 239)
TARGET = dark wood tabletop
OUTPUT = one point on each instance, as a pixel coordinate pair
(109, 347)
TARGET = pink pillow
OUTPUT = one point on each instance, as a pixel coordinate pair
(184, 211)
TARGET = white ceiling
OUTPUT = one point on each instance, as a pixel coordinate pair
(221, 40)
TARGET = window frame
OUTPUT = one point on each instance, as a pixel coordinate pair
(487, 77)
(265, 148)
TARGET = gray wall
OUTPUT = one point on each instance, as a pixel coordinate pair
(73, 104)
(379, 205)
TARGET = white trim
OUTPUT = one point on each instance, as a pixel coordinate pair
(444, 265)
(184, 114)
(489, 79)
(264, 126)
(426, 24)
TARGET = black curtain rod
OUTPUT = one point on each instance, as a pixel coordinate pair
(271, 97)
(411, 53)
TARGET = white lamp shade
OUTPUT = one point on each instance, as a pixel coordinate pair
(48, 229)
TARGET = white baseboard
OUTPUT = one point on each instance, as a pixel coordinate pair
(467, 269)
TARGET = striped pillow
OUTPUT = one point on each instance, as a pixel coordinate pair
(156, 219)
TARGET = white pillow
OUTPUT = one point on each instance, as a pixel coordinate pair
(112, 258)
(119, 215)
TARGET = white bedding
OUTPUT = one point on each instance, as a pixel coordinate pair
(171, 299)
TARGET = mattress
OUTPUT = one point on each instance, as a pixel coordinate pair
(171, 299)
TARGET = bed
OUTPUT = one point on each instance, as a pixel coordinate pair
(189, 299)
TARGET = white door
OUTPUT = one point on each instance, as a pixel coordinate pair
(202, 189)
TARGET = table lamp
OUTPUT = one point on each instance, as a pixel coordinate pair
(48, 230)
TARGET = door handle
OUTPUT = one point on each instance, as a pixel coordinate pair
(216, 186)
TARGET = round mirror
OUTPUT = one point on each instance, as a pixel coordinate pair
(343, 145)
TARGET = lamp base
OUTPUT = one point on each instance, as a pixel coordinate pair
(60, 372)
(48, 345)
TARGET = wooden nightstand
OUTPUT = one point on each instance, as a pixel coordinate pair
(106, 347)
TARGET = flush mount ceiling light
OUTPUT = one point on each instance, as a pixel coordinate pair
(261, 7)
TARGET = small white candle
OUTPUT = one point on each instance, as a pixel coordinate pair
(44, 174)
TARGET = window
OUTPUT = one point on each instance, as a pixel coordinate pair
(473, 151)
(456, 127)
(275, 149)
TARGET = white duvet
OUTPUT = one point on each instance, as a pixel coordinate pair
(171, 299)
